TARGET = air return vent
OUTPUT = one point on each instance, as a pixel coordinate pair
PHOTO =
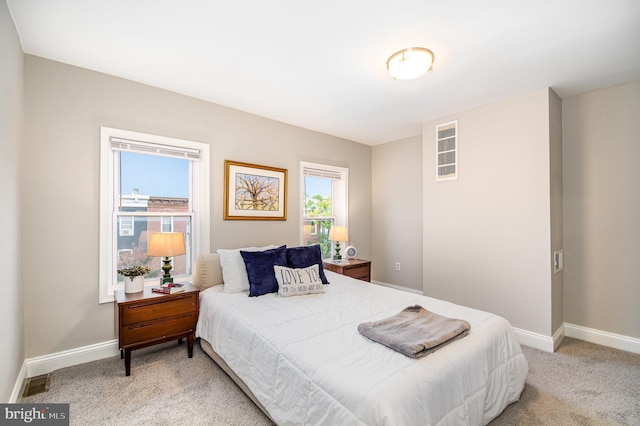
(36, 385)
(447, 151)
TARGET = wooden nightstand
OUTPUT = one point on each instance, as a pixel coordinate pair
(355, 268)
(147, 318)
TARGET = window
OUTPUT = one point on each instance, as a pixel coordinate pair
(124, 252)
(324, 202)
(447, 151)
(150, 184)
(126, 226)
(166, 224)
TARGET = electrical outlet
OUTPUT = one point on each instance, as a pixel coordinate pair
(397, 266)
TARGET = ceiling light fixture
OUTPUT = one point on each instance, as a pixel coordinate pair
(410, 63)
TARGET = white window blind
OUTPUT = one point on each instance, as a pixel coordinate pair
(325, 174)
(119, 144)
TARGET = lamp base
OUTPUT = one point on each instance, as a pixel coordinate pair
(337, 256)
(166, 267)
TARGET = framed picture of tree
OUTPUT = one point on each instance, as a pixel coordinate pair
(254, 192)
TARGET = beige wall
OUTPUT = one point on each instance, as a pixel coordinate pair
(397, 212)
(64, 109)
(11, 310)
(483, 240)
(487, 234)
(601, 172)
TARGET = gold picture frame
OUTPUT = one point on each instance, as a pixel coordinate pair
(254, 192)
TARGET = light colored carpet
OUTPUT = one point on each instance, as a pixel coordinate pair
(165, 388)
(580, 384)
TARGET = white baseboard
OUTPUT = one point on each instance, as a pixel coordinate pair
(48, 363)
(558, 336)
(17, 388)
(398, 287)
(604, 338)
(540, 341)
(535, 340)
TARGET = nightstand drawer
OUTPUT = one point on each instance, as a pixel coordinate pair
(360, 272)
(152, 309)
(355, 268)
(157, 329)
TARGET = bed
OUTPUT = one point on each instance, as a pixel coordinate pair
(302, 360)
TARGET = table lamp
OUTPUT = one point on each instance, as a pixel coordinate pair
(337, 234)
(166, 245)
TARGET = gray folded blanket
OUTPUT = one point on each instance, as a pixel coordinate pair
(415, 332)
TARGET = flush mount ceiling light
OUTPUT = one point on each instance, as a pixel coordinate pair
(410, 63)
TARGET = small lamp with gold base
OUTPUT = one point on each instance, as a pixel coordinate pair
(166, 245)
(337, 234)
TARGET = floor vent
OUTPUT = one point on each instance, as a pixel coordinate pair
(36, 385)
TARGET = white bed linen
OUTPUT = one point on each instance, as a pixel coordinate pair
(305, 361)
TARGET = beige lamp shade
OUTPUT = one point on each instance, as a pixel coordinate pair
(338, 233)
(166, 244)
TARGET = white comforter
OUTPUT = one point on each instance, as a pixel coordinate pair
(305, 361)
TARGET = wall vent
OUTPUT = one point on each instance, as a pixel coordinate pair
(36, 385)
(447, 151)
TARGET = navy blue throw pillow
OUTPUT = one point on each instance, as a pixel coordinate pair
(305, 256)
(262, 278)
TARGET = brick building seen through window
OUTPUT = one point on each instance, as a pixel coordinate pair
(135, 230)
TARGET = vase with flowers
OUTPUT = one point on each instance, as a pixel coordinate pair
(134, 278)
